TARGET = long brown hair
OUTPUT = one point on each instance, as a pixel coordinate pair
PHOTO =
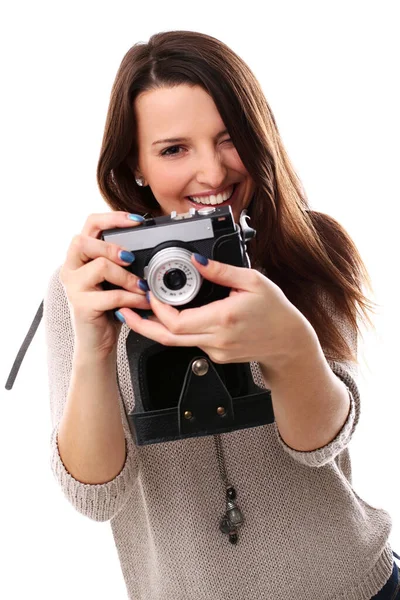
(308, 254)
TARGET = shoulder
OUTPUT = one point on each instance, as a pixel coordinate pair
(54, 285)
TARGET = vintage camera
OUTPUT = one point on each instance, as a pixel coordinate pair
(179, 392)
(163, 247)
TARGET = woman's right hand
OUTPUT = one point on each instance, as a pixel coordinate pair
(88, 263)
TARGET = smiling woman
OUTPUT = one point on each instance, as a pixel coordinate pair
(188, 123)
(201, 125)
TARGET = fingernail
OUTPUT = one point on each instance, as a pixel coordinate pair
(126, 256)
(142, 283)
(119, 316)
(200, 259)
(148, 296)
(138, 218)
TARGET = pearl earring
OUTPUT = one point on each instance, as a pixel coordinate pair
(140, 181)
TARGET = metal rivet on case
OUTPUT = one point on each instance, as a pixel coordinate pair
(221, 410)
(200, 366)
(188, 414)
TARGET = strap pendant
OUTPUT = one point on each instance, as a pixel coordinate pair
(233, 517)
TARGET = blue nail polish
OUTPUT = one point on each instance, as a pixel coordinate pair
(200, 259)
(148, 296)
(142, 283)
(138, 218)
(126, 256)
(119, 316)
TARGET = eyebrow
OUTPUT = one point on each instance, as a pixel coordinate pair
(185, 139)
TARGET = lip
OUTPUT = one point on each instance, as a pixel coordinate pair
(227, 202)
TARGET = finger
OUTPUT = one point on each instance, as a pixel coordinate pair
(92, 274)
(156, 331)
(96, 223)
(239, 278)
(113, 299)
(201, 320)
(84, 248)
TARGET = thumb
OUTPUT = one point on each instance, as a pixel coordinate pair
(238, 278)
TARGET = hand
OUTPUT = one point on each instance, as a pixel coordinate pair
(255, 323)
(89, 262)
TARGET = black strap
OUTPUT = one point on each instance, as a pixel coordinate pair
(24, 347)
(163, 425)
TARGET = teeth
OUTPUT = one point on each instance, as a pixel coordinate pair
(218, 199)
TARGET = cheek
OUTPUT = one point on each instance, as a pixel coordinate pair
(168, 181)
(236, 164)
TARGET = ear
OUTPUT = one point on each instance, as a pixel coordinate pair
(134, 168)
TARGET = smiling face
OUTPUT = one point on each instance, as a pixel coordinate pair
(206, 162)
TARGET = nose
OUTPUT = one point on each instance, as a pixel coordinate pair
(211, 171)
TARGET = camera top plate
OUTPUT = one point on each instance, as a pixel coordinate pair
(187, 227)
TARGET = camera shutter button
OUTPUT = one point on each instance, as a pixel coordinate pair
(206, 211)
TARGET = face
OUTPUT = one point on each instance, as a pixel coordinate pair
(205, 162)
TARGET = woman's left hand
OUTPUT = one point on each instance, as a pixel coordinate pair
(256, 322)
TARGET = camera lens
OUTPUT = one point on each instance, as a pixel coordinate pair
(175, 279)
(172, 277)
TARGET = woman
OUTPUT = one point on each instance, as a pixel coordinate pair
(303, 533)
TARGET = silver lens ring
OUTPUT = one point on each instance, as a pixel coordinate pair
(166, 261)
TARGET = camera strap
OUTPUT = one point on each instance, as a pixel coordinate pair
(24, 347)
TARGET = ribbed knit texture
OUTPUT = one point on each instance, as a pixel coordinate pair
(307, 535)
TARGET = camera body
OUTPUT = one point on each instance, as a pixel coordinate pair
(163, 247)
(178, 391)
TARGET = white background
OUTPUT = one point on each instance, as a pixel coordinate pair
(329, 71)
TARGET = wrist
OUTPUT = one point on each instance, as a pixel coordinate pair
(303, 353)
(84, 358)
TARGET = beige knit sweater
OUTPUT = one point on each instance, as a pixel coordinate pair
(307, 535)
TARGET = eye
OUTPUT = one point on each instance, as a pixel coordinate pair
(164, 152)
(167, 152)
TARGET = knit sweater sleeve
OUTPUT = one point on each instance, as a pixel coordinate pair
(100, 502)
(347, 372)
